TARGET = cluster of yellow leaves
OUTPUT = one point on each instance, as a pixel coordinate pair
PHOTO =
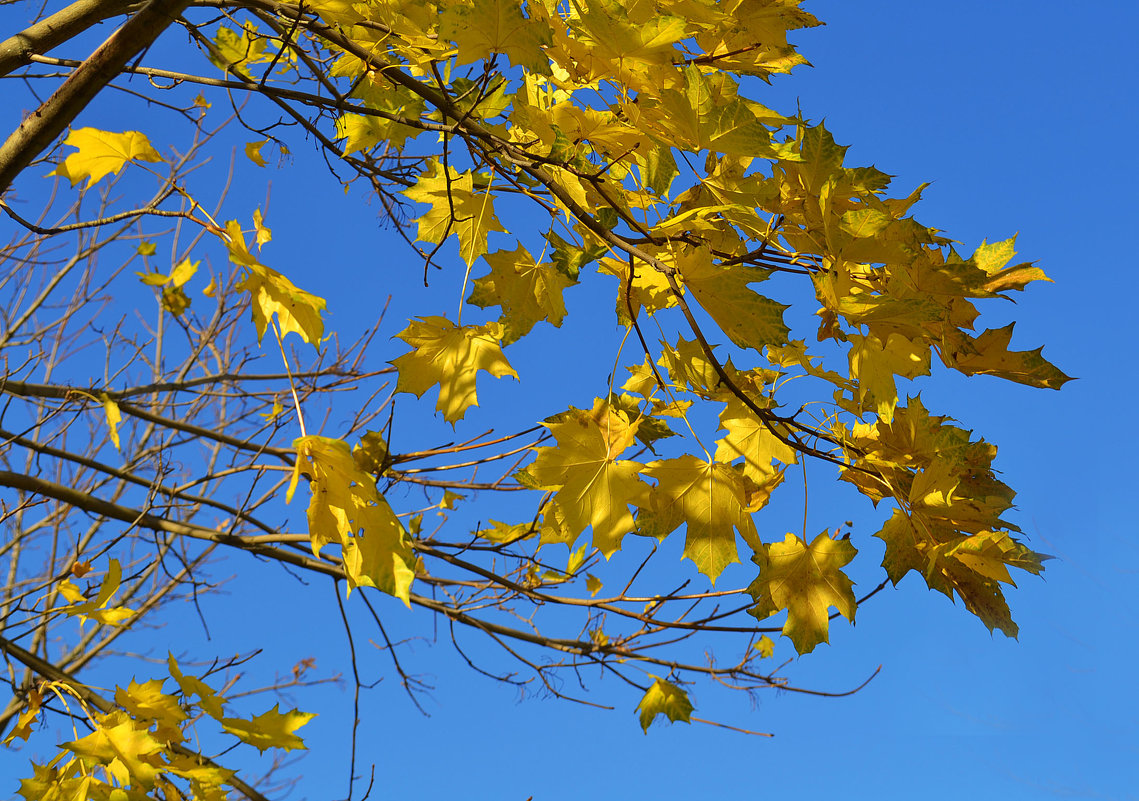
(173, 298)
(625, 89)
(590, 108)
(593, 488)
(347, 510)
(271, 293)
(139, 747)
(947, 526)
(99, 608)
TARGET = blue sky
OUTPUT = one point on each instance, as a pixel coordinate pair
(1023, 117)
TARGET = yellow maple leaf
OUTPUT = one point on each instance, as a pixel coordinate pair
(450, 356)
(806, 580)
(273, 294)
(23, 725)
(124, 747)
(272, 729)
(262, 233)
(347, 510)
(650, 289)
(147, 702)
(114, 417)
(102, 153)
(751, 438)
(988, 354)
(527, 292)
(483, 27)
(365, 131)
(253, 151)
(874, 364)
(711, 498)
(972, 566)
(664, 698)
(208, 700)
(749, 319)
(98, 608)
(234, 240)
(594, 488)
(234, 51)
(708, 115)
(458, 207)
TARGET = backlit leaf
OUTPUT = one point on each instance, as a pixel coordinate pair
(102, 153)
(664, 698)
(806, 580)
(527, 292)
(272, 729)
(450, 356)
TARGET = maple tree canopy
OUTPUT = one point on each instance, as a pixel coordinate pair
(172, 378)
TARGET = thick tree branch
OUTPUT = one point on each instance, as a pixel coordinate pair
(42, 36)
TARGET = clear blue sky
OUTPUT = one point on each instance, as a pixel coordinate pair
(1024, 117)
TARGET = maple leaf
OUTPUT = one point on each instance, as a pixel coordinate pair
(594, 488)
(262, 233)
(23, 725)
(129, 753)
(806, 580)
(114, 418)
(711, 498)
(749, 319)
(988, 354)
(365, 131)
(457, 207)
(874, 363)
(609, 39)
(271, 293)
(208, 700)
(234, 51)
(688, 364)
(992, 258)
(664, 698)
(98, 608)
(707, 115)
(751, 438)
(527, 292)
(347, 510)
(972, 566)
(147, 702)
(271, 729)
(650, 290)
(450, 356)
(253, 151)
(483, 27)
(206, 780)
(102, 153)
(173, 297)
(506, 532)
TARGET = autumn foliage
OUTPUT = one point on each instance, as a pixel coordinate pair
(621, 143)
